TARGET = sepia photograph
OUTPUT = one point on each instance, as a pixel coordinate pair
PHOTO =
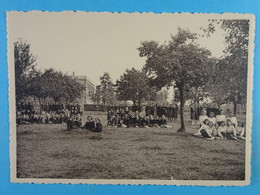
(130, 98)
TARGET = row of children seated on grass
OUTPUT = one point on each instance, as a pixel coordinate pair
(135, 119)
(221, 126)
(75, 121)
(44, 118)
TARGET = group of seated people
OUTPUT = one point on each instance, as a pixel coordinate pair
(221, 126)
(75, 121)
(43, 118)
(135, 119)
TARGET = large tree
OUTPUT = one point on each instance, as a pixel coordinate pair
(134, 85)
(54, 84)
(232, 68)
(180, 62)
(108, 96)
(24, 68)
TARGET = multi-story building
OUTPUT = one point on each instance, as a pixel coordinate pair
(85, 98)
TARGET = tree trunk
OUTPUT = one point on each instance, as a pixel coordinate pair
(182, 128)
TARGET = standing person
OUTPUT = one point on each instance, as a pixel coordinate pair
(109, 114)
(203, 117)
(192, 114)
(70, 122)
(126, 110)
(221, 118)
(175, 112)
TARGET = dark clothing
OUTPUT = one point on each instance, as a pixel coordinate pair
(98, 128)
(204, 133)
(90, 125)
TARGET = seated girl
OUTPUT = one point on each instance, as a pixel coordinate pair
(220, 118)
(222, 129)
(78, 121)
(203, 117)
(240, 130)
(98, 127)
(163, 123)
(111, 121)
(231, 131)
(89, 125)
(212, 118)
(212, 129)
(205, 130)
(232, 118)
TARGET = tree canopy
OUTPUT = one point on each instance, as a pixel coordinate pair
(180, 62)
(232, 67)
(50, 83)
(134, 85)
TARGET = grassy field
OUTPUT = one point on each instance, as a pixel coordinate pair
(48, 151)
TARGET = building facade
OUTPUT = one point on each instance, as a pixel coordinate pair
(89, 88)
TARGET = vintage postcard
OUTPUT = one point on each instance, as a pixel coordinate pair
(130, 98)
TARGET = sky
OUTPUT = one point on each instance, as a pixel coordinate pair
(93, 43)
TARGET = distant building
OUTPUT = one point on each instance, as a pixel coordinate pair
(85, 98)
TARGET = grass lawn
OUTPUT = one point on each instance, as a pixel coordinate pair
(48, 151)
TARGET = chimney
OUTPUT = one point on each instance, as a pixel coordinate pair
(73, 73)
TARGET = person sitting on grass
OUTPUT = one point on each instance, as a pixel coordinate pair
(222, 129)
(163, 122)
(155, 122)
(126, 120)
(98, 126)
(205, 130)
(70, 122)
(117, 121)
(151, 121)
(137, 120)
(220, 118)
(213, 129)
(240, 130)
(78, 121)
(232, 118)
(212, 118)
(132, 119)
(111, 121)
(203, 117)
(231, 131)
(89, 125)
(145, 122)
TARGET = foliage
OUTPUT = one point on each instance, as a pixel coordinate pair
(162, 97)
(57, 85)
(233, 66)
(32, 82)
(24, 67)
(107, 92)
(134, 85)
(181, 63)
